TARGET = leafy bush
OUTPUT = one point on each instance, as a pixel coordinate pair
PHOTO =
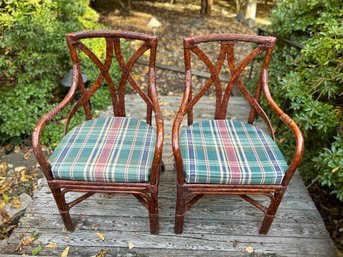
(311, 82)
(34, 58)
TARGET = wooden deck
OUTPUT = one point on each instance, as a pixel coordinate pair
(216, 226)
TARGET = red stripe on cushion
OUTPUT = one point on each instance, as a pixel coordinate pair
(230, 153)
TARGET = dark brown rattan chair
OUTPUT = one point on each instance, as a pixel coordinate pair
(226, 156)
(116, 154)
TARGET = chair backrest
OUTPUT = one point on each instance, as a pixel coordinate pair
(227, 51)
(113, 49)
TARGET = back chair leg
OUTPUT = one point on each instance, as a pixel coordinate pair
(270, 214)
(63, 208)
(163, 167)
(153, 214)
(180, 210)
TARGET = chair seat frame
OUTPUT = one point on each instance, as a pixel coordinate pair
(189, 193)
(147, 192)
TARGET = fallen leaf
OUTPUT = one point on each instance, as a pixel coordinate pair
(15, 203)
(19, 169)
(44, 148)
(8, 148)
(136, 76)
(24, 177)
(130, 245)
(35, 234)
(37, 250)
(17, 149)
(65, 252)
(101, 235)
(6, 198)
(28, 240)
(102, 253)
(5, 217)
(3, 167)
(27, 155)
(52, 245)
(249, 249)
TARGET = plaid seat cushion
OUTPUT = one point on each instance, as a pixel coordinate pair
(230, 152)
(108, 149)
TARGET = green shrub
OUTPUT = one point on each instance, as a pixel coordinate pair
(34, 58)
(312, 82)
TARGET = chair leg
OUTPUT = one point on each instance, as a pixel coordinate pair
(153, 214)
(163, 167)
(270, 214)
(180, 210)
(63, 208)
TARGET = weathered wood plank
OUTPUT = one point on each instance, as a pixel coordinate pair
(136, 224)
(199, 242)
(76, 251)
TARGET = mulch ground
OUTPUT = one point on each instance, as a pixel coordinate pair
(177, 21)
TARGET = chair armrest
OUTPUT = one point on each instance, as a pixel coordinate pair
(176, 128)
(37, 148)
(159, 128)
(299, 148)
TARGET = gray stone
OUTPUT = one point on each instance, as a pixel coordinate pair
(16, 213)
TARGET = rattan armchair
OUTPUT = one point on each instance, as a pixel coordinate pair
(116, 154)
(225, 156)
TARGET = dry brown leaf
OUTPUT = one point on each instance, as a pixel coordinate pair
(15, 203)
(52, 245)
(65, 252)
(6, 185)
(24, 177)
(101, 235)
(28, 240)
(130, 245)
(19, 169)
(17, 149)
(102, 253)
(3, 168)
(27, 155)
(5, 217)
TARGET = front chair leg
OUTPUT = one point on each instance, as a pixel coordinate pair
(270, 213)
(63, 208)
(153, 214)
(180, 210)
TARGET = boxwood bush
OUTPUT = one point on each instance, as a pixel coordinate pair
(34, 58)
(309, 84)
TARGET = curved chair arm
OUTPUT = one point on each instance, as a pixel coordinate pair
(176, 128)
(159, 129)
(299, 149)
(37, 148)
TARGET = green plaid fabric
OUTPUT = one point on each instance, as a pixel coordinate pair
(110, 149)
(230, 152)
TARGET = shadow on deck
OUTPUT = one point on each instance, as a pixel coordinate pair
(216, 226)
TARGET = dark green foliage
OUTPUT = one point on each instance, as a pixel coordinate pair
(33, 59)
(312, 81)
